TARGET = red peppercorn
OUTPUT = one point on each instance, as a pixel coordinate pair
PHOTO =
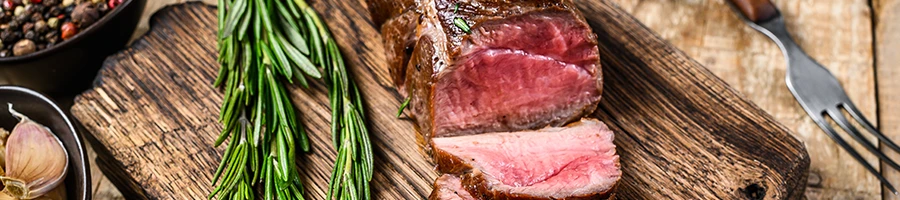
(9, 5)
(61, 16)
(35, 1)
(113, 3)
(68, 30)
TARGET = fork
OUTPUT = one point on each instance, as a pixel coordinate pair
(814, 87)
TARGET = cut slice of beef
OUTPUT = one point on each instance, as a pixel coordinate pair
(525, 64)
(449, 187)
(576, 161)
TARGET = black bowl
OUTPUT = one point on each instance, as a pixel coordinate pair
(44, 111)
(70, 66)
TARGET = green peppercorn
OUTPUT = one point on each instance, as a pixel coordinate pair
(53, 22)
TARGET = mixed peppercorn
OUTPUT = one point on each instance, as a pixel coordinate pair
(27, 26)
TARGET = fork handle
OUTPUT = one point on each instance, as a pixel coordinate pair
(756, 10)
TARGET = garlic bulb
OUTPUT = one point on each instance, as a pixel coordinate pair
(56, 194)
(36, 161)
(3, 135)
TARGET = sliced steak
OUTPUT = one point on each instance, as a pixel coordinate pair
(525, 64)
(576, 161)
(449, 187)
(479, 72)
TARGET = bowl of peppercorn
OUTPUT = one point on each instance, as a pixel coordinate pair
(57, 46)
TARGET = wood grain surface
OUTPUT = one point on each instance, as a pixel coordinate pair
(887, 60)
(681, 132)
(837, 33)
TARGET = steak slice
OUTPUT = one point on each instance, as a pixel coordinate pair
(576, 161)
(525, 64)
(449, 187)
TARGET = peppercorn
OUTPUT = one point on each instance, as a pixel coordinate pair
(49, 3)
(23, 47)
(36, 17)
(85, 14)
(19, 10)
(54, 11)
(35, 1)
(66, 3)
(4, 53)
(8, 5)
(27, 26)
(113, 3)
(41, 26)
(35, 9)
(52, 36)
(31, 35)
(53, 23)
(68, 30)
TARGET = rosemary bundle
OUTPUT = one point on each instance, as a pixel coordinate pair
(264, 45)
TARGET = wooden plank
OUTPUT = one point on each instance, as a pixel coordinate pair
(681, 131)
(887, 62)
(837, 33)
(151, 8)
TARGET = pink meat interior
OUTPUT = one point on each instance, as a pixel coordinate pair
(518, 73)
(581, 159)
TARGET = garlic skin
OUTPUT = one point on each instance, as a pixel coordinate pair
(36, 161)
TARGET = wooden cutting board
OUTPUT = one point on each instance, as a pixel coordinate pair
(681, 132)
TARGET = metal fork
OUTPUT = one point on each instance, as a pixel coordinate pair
(817, 90)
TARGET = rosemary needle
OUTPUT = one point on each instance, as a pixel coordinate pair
(403, 106)
(459, 22)
(265, 45)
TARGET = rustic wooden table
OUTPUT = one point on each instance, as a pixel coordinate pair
(853, 38)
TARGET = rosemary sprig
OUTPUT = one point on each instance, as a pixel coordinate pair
(263, 46)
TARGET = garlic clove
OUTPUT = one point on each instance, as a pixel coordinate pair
(58, 193)
(36, 161)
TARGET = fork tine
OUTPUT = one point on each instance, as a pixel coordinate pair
(865, 123)
(844, 123)
(820, 120)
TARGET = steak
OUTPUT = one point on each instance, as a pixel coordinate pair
(481, 74)
(576, 161)
(524, 64)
